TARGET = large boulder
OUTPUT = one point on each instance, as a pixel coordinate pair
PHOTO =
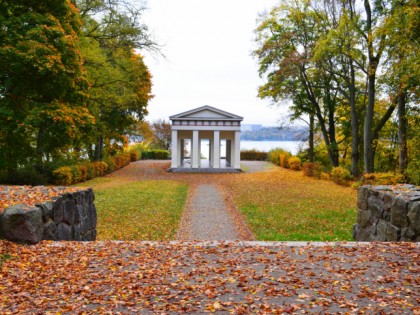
(22, 224)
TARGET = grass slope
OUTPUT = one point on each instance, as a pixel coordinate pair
(284, 205)
(142, 210)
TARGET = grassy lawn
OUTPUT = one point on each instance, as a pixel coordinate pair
(142, 210)
(284, 205)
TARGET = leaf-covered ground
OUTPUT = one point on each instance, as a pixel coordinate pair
(29, 195)
(163, 278)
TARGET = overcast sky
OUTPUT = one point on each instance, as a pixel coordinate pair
(208, 47)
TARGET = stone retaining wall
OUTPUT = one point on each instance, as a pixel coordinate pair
(388, 213)
(70, 217)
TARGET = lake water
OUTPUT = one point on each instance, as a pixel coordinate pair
(265, 146)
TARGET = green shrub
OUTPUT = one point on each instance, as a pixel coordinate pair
(155, 155)
(413, 171)
(340, 175)
(110, 164)
(63, 175)
(253, 155)
(27, 175)
(312, 169)
(76, 174)
(295, 163)
(90, 171)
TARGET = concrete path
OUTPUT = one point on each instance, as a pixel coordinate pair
(208, 217)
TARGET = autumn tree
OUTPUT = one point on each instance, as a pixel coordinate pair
(120, 81)
(401, 79)
(286, 39)
(162, 134)
(43, 86)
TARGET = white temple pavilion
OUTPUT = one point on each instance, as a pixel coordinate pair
(220, 129)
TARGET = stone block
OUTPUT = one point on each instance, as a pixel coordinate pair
(407, 234)
(392, 233)
(386, 215)
(355, 231)
(387, 199)
(58, 213)
(381, 230)
(91, 218)
(22, 224)
(414, 216)
(47, 210)
(50, 231)
(77, 232)
(376, 206)
(64, 232)
(78, 214)
(362, 196)
(363, 234)
(69, 208)
(363, 218)
(93, 235)
(399, 212)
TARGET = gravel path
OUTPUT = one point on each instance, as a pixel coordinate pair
(256, 166)
(208, 216)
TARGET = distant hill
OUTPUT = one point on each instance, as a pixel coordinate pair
(274, 134)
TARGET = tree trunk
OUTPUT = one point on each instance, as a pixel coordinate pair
(354, 124)
(331, 135)
(311, 138)
(402, 132)
(99, 147)
(40, 145)
(367, 129)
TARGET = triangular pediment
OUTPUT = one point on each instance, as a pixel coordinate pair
(205, 113)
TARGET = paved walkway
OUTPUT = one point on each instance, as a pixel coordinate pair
(208, 216)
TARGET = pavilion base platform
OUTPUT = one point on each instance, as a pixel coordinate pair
(208, 170)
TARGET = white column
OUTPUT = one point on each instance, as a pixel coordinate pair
(216, 149)
(174, 149)
(180, 149)
(237, 150)
(195, 150)
(228, 153)
(210, 153)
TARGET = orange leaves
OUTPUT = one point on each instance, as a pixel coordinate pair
(12, 195)
(161, 278)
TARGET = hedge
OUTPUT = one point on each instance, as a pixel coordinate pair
(68, 175)
(253, 155)
(155, 155)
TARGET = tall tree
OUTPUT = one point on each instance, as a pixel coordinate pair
(344, 60)
(286, 40)
(43, 84)
(120, 81)
(402, 26)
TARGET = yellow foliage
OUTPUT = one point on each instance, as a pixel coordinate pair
(382, 179)
(295, 163)
(63, 175)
